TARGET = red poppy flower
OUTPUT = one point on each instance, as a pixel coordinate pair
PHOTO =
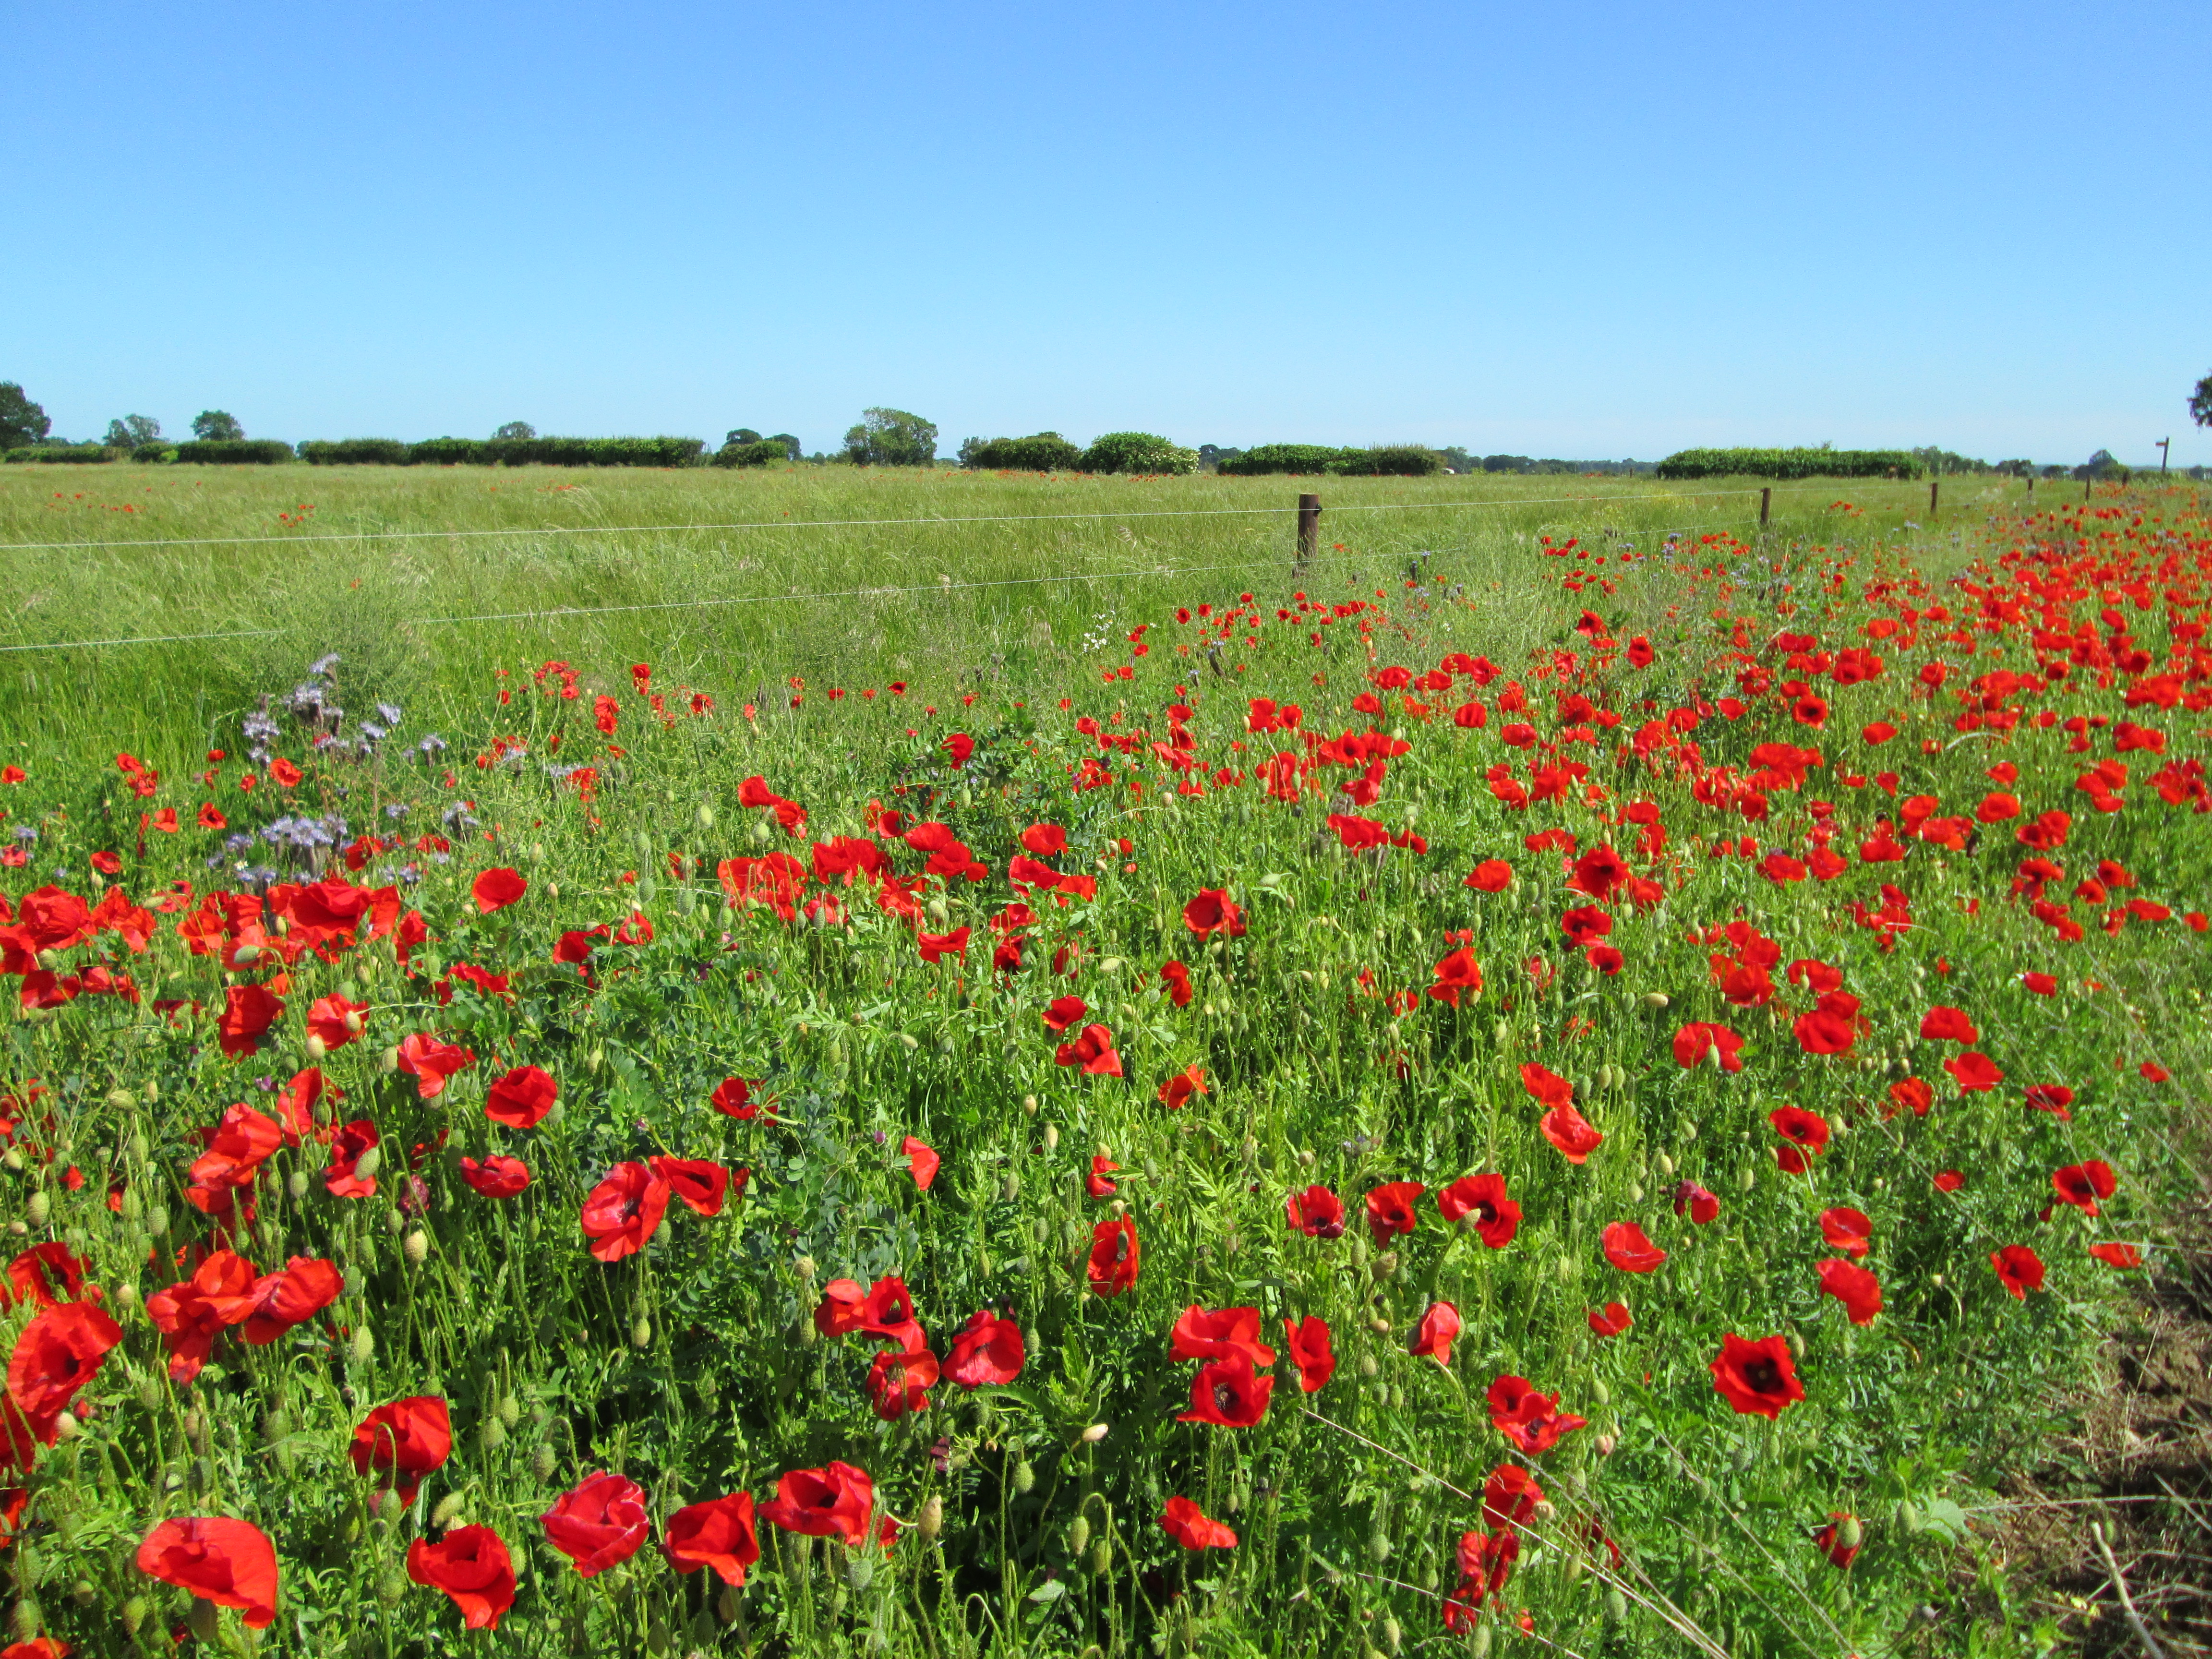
(1434, 1336)
(733, 1097)
(1204, 1333)
(1973, 1071)
(1455, 973)
(495, 889)
(1757, 1377)
(2055, 1098)
(1846, 1229)
(2042, 984)
(472, 1565)
(717, 1533)
(1611, 1320)
(404, 1441)
(1317, 1213)
(621, 1212)
(2118, 1256)
(1858, 1290)
(1702, 1206)
(1485, 1562)
(1093, 1050)
(1568, 1130)
(348, 1146)
(2082, 1184)
(1942, 1025)
(1695, 1041)
(600, 1522)
(1045, 839)
(1065, 1012)
(1801, 1128)
(229, 1563)
(1544, 1086)
(1949, 1181)
(47, 1274)
(935, 947)
(899, 1379)
(1586, 925)
(1628, 1249)
(277, 1302)
(1530, 1420)
(431, 1063)
(497, 1176)
(1114, 1254)
(1390, 1209)
(1509, 1496)
(191, 1314)
(1214, 912)
(1228, 1392)
(1599, 872)
(1176, 1092)
(923, 1161)
(1490, 876)
(1913, 1095)
(1809, 710)
(2020, 1270)
(248, 1012)
(521, 1098)
(1307, 1340)
(1496, 1216)
(985, 1351)
(1176, 978)
(334, 1021)
(833, 1502)
(59, 1352)
(1188, 1525)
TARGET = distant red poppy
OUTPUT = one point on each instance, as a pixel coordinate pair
(1390, 1210)
(699, 1182)
(1114, 1255)
(1586, 925)
(898, 1381)
(1092, 1050)
(599, 1523)
(717, 1533)
(342, 1177)
(1695, 1041)
(1974, 1072)
(958, 746)
(2042, 984)
(1913, 1095)
(1611, 1320)
(1509, 1496)
(472, 1565)
(2082, 1184)
(495, 889)
(1544, 1086)
(1045, 839)
(1628, 1249)
(1214, 912)
(1457, 973)
(2055, 1098)
(334, 1021)
(985, 1351)
(1189, 1527)
(497, 1176)
(1599, 872)
(1490, 876)
(1829, 1539)
(521, 1098)
(733, 1097)
(1942, 1025)
(620, 1214)
(1530, 1420)
(1846, 1229)
(1880, 732)
(1176, 979)
(431, 1063)
(1228, 1392)
(1307, 1340)
(1825, 1030)
(1434, 1336)
(1217, 1333)
(47, 1274)
(248, 1012)
(1496, 1217)
(2020, 1270)
(229, 1563)
(1757, 1377)
(2118, 1256)
(1568, 1130)
(1317, 1213)
(1807, 1131)
(403, 1442)
(832, 1502)
(1065, 1012)
(1703, 1207)
(922, 1162)
(1176, 1092)
(59, 1352)
(1949, 1181)
(1857, 1289)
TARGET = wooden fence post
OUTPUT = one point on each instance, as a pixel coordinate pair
(1308, 530)
(1933, 487)
(1766, 500)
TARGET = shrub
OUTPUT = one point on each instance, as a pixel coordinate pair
(355, 451)
(761, 452)
(1283, 458)
(68, 454)
(1790, 463)
(235, 451)
(160, 452)
(891, 437)
(1388, 461)
(1041, 452)
(594, 451)
(1137, 452)
(449, 451)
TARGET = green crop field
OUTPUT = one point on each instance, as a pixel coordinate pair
(833, 1060)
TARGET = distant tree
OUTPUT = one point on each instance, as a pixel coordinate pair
(1459, 461)
(131, 431)
(891, 437)
(2200, 401)
(2017, 468)
(791, 446)
(1137, 452)
(2102, 465)
(521, 431)
(213, 425)
(743, 435)
(1506, 464)
(968, 448)
(22, 422)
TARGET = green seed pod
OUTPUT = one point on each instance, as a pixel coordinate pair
(368, 1162)
(1078, 1536)
(1397, 1399)
(1368, 1367)
(40, 1209)
(1599, 1393)
(725, 1605)
(204, 1620)
(494, 1434)
(1796, 1346)
(134, 1614)
(1013, 1187)
(640, 1334)
(705, 816)
(1849, 1534)
(510, 1411)
(1616, 1604)
(1378, 1546)
(544, 1464)
(1025, 1477)
(933, 1517)
(1908, 1515)
(295, 1185)
(1101, 1558)
(364, 1346)
(448, 1507)
(12, 1158)
(1664, 1164)
(417, 1247)
(1749, 1179)
(1393, 1634)
(1502, 1034)
(392, 1587)
(1479, 1647)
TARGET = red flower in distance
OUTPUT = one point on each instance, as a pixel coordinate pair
(1434, 1336)
(248, 1012)
(1858, 1290)
(1203, 1334)
(733, 1097)
(472, 1565)
(1974, 1072)
(2020, 1270)
(1307, 1340)
(899, 1379)
(1846, 1229)
(2042, 984)
(1703, 1207)
(717, 1533)
(191, 1314)
(1065, 1012)
(1229, 1392)
(1317, 1213)
(1530, 1420)
(497, 1176)
(521, 1098)
(922, 1162)
(1942, 1025)
(985, 1351)
(1568, 1130)
(1093, 1051)
(229, 1563)
(1214, 912)
(1611, 1320)
(935, 947)
(1949, 1181)
(2118, 1256)
(277, 1302)
(1490, 876)
(2055, 1098)
(1599, 872)
(1757, 1379)
(1390, 1210)
(833, 1502)
(1176, 1092)
(404, 1441)
(59, 1352)
(1911, 1094)
(1495, 1217)
(47, 1274)
(1586, 925)
(495, 889)
(432, 1063)
(1189, 1527)
(1457, 973)
(599, 1523)
(1176, 978)
(1829, 1539)
(1628, 1249)
(1695, 1041)
(1544, 1086)
(1045, 839)
(1509, 1496)
(2082, 1184)
(621, 1213)
(1805, 1130)
(700, 1183)
(1114, 1254)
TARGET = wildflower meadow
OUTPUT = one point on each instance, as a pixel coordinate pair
(1586, 1090)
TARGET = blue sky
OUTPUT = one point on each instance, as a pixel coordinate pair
(1586, 231)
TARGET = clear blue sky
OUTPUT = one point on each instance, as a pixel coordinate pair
(1586, 231)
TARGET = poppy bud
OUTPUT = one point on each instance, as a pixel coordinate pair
(364, 1345)
(317, 1050)
(640, 1334)
(664, 1232)
(121, 1100)
(760, 833)
(391, 1059)
(390, 1588)
(494, 1434)
(1665, 1165)
(204, 1620)
(134, 1614)
(296, 1185)
(1024, 1478)
(66, 1426)
(553, 890)
(1908, 1516)
(1568, 1268)
(1393, 1634)
(1094, 1434)
(911, 1041)
(1849, 1533)
(39, 1209)
(1378, 1546)
(1480, 1646)
(1616, 1605)
(1078, 1536)
(1796, 1346)
(125, 1296)
(1101, 1558)
(1606, 1443)
(368, 1162)
(931, 1519)
(12, 1160)
(1599, 1393)
(543, 1463)
(1749, 1178)
(1051, 1138)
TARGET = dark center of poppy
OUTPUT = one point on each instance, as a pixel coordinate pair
(1224, 1398)
(1764, 1376)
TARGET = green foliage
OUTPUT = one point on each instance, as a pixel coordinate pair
(514, 431)
(1283, 458)
(22, 422)
(2200, 401)
(235, 451)
(1041, 452)
(1791, 464)
(2102, 465)
(134, 432)
(355, 452)
(891, 437)
(1388, 461)
(215, 426)
(1138, 452)
(595, 452)
(68, 454)
(159, 454)
(757, 451)
(449, 452)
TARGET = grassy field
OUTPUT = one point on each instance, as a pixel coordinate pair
(1795, 942)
